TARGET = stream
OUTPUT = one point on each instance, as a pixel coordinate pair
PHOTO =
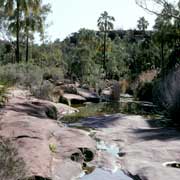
(88, 111)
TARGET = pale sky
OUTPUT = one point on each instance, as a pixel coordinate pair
(69, 16)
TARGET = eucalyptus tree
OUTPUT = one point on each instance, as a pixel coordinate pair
(164, 38)
(14, 10)
(105, 24)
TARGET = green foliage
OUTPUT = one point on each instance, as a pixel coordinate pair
(21, 74)
(80, 57)
(47, 55)
(116, 64)
(27, 75)
(21, 19)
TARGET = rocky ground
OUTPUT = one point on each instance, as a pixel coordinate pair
(53, 151)
(144, 147)
(45, 146)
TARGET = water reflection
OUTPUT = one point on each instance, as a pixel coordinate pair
(104, 108)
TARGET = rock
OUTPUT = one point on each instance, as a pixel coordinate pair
(59, 83)
(56, 93)
(72, 99)
(48, 109)
(111, 93)
(45, 146)
(89, 96)
(106, 94)
(143, 148)
(63, 109)
(69, 88)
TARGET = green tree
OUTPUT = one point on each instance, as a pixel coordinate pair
(165, 37)
(14, 10)
(34, 23)
(105, 24)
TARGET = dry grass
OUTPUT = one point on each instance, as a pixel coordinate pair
(12, 167)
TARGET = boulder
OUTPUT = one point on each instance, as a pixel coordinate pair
(56, 93)
(111, 93)
(88, 95)
(105, 95)
(72, 99)
(69, 88)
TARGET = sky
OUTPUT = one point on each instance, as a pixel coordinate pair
(69, 16)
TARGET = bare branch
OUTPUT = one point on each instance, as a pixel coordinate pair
(168, 8)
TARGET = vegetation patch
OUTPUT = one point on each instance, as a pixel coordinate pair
(12, 166)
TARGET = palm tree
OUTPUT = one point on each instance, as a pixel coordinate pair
(105, 24)
(142, 24)
(35, 23)
(15, 9)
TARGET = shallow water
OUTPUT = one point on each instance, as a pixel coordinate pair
(125, 106)
(112, 149)
(91, 110)
(100, 174)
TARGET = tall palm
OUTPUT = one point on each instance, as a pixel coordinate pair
(16, 9)
(35, 22)
(142, 24)
(105, 24)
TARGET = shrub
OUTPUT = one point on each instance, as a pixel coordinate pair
(21, 74)
(38, 79)
(11, 165)
(27, 75)
(167, 94)
(43, 91)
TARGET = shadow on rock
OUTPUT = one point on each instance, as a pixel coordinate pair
(157, 134)
(36, 109)
(101, 122)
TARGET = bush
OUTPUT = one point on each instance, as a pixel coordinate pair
(167, 94)
(11, 165)
(43, 91)
(21, 74)
(38, 79)
(27, 75)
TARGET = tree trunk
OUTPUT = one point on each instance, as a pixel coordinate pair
(104, 50)
(162, 57)
(27, 46)
(17, 31)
